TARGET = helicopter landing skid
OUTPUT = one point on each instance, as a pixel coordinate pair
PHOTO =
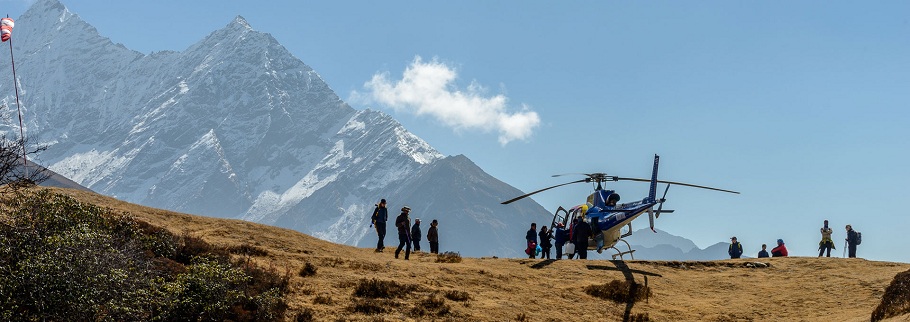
(621, 253)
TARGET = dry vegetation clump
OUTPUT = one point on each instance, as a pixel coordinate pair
(896, 300)
(374, 288)
(323, 299)
(433, 305)
(248, 250)
(305, 315)
(619, 291)
(449, 257)
(458, 296)
(307, 270)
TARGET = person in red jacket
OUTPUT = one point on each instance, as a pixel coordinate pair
(780, 250)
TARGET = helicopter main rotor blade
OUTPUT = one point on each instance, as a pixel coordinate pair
(541, 190)
(676, 183)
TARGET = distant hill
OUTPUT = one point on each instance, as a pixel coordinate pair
(488, 289)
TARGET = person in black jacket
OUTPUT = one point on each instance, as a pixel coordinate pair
(415, 235)
(764, 251)
(433, 236)
(545, 245)
(403, 222)
(379, 219)
(580, 236)
(736, 249)
(531, 238)
(851, 242)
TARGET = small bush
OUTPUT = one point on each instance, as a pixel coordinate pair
(306, 315)
(458, 296)
(249, 250)
(449, 257)
(521, 317)
(323, 299)
(374, 288)
(369, 306)
(896, 300)
(307, 270)
(619, 291)
(431, 305)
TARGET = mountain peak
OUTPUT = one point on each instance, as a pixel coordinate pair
(240, 22)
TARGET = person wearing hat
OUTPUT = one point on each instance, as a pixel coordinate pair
(379, 219)
(415, 235)
(403, 222)
(780, 250)
(736, 249)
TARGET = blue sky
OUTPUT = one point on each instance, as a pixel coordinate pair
(803, 107)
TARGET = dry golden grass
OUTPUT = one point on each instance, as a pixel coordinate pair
(326, 276)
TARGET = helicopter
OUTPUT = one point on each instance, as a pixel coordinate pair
(604, 212)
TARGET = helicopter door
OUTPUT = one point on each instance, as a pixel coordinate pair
(561, 216)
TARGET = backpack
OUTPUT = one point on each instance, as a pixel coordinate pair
(859, 238)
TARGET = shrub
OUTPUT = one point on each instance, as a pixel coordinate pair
(449, 257)
(431, 305)
(458, 296)
(65, 260)
(307, 270)
(323, 299)
(374, 288)
(896, 300)
(249, 250)
(619, 291)
(369, 306)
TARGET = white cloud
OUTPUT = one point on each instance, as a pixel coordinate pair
(428, 89)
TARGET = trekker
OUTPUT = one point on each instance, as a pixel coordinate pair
(736, 249)
(827, 243)
(433, 237)
(598, 233)
(780, 250)
(545, 244)
(531, 238)
(403, 222)
(379, 219)
(561, 236)
(581, 235)
(851, 242)
(415, 235)
(763, 253)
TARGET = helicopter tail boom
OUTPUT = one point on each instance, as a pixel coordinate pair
(652, 192)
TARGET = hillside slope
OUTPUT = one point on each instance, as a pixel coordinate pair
(791, 289)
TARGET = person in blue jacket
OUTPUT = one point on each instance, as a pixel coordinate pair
(736, 249)
(561, 235)
(764, 251)
(379, 219)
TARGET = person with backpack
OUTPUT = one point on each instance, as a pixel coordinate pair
(433, 237)
(580, 236)
(415, 235)
(736, 249)
(403, 222)
(531, 238)
(827, 243)
(545, 245)
(379, 219)
(853, 239)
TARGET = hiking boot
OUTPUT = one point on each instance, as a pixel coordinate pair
(600, 251)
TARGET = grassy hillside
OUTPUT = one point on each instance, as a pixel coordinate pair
(331, 282)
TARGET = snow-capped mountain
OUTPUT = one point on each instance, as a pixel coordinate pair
(236, 126)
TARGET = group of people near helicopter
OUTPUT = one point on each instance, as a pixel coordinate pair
(575, 239)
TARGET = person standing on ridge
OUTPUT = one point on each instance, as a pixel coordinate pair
(545, 245)
(852, 241)
(581, 235)
(531, 238)
(403, 222)
(736, 249)
(827, 243)
(379, 219)
(433, 237)
(561, 236)
(415, 235)
(763, 252)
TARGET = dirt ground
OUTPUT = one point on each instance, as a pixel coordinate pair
(500, 289)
